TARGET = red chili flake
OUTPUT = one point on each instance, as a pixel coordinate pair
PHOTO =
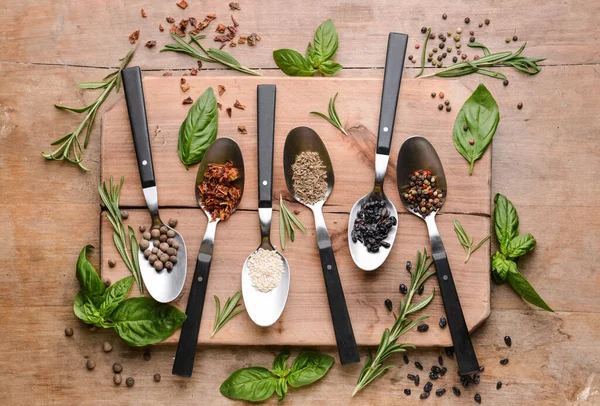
(194, 22)
(232, 29)
(222, 38)
(296, 212)
(476, 57)
(168, 74)
(182, 4)
(170, 20)
(134, 36)
(441, 95)
(221, 28)
(221, 90)
(253, 39)
(182, 81)
(239, 105)
(150, 44)
(242, 129)
(228, 110)
(219, 106)
(187, 100)
(195, 32)
(417, 46)
(184, 23)
(218, 193)
(231, 36)
(242, 39)
(144, 15)
(223, 45)
(234, 6)
(176, 29)
(232, 44)
(160, 28)
(185, 87)
(194, 72)
(211, 17)
(234, 21)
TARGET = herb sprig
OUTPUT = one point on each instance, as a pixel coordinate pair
(467, 242)
(333, 117)
(70, 148)
(424, 52)
(110, 195)
(287, 220)
(210, 55)
(499, 59)
(374, 367)
(228, 313)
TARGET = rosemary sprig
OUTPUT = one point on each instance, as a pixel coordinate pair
(499, 59)
(333, 117)
(287, 220)
(70, 148)
(467, 242)
(210, 55)
(424, 52)
(374, 367)
(228, 313)
(110, 198)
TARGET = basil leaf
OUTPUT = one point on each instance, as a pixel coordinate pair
(501, 267)
(326, 41)
(520, 245)
(142, 321)
(524, 288)
(114, 295)
(311, 55)
(292, 63)
(253, 384)
(481, 116)
(281, 388)
(329, 68)
(199, 129)
(280, 363)
(308, 367)
(92, 287)
(506, 222)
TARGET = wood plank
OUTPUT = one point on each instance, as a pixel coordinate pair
(68, 33)
(352, 156)
(307, 309)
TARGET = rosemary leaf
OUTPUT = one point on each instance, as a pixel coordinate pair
(333, 117)
(229, 311)
(466, 242)
(287, 220)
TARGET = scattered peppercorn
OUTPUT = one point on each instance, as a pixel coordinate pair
(487, 21)
(421, 289)
(417, 380)
(423, 327)
(147, 355)
(515, 38)
(410, 57)
(449, 352)
(432, 94)
(411, 377)
(435, 369)
(471, 32)
(388, 305)
(433, 375)
(471, 39)
(440, 359)
(507, 40)
(90, 364)
(455, 59)
(407, 392)
(456, 391)
(117, 368)
(444, 16)
(467, 20)
(156, 377)
(443, 371)
(403, 289)
(477, 398)
(130, 382)
(481, 368)
(424, 395)
(505, 82)
(440, 107)
(417, 46)
(106, 346)
(448, 108)
(507, 341)
(112, 263)
(447, 102)
(408, 266)
(428, 386)
(423, 30)
(117, 379)
(418, 366)
(504, 361)
(520, 105)
(69, 332)
(498, 385)
(480, 25)
(471, 141)
(440, 392)
(405, 359)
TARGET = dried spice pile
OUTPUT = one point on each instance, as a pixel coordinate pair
(422, 195)
(217, 192)
(373, 224)
(162, 254)
(309, 177)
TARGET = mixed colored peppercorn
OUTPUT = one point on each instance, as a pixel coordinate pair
(422, 195)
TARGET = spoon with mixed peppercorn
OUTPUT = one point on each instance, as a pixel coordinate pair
(423, 189)
(373, 219)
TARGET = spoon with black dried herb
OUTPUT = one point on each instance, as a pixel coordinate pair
(421, 181)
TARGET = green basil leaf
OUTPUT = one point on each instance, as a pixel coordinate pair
(114, 295)
(326, 41)
(280, 363)
(79, 308)
(92, 286)
(308, 367)
(199, 129)
(481, 116)
(142, 321)
(292, 63)
(524, 288)
(501, 267)
(311, 55)
(520, 245)
(506, 222)
(253, 384)
(281, 388)
(330, 68)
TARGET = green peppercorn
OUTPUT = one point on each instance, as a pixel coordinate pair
(507, 40)
(449, 33)
(457, 38)
(434, 50)
(430, 54)
(458, 45)
(458, 52)
(433, 63)
(449, 49)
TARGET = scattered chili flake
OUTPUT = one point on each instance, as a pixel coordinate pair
(193, 22)
(221, 28)
(184, 23)
(234, 21)
(242, 39)
(242, 129)
(144, 15)
(182, 4)
(239, 105)
(182, 80)
(231, 36)
(194, 72)
(232, 44)
(167, 74)
(194, 32)
(253, 39)
(175, 29)
(150, 44)
(160, 28)
(223, 45)
(296, 212)
(232, 29)
(234, 6)
(134, 36)
(219, 106)
(221, 89)
(222, 38)
(185, 87)
(217, 192)
(170, 20)
(228, 110)
(187, 100)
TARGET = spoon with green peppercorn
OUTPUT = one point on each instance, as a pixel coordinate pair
(417, 157)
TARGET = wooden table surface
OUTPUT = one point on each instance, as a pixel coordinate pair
(546, 158)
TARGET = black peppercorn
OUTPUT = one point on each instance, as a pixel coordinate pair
(433, 375)
(498, 385)
(428, 386)
(411, 377)
(69, 332)
(520, 105)
(444, 54)
(477, 398)
(147, 355)
(435, 369)
(408, 263)
(480, 25)
(464, 381)
(423, 30)
(424, 395)
(440, 392)
(441, 360)
(487, 21)
(471, 39)
(403, 289)
(429, 59)
(507, 341)
(481, 368)
(418, 366)
(112, 263)
(388, 305)
(407, 392)
(444, 16)
(422, 287)
(417, 380)
(456, 391)
(467, 20)
(443, 371)
(505, 82)
(455, 59)
(447, 102)
(129, 382)
(405, 359)
(472, 32)
(449, 352)
(432, 95)
(439, 57)
(515, 38)
(448, 108)
(410, 57)
(423, 327)
(156, 377)
(440, 107)
(117, 368)
(504, 361)
(442, 45)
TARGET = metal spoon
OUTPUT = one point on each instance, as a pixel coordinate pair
(265, 308)
(302, 139)
(164, 286)
(220, 151)
(418, 154)
(394, 63)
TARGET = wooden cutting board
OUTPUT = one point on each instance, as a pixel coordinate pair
(306, 319)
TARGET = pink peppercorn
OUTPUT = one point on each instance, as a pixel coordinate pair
(471, 141)
(476, 57)
(417, 46)
(441, 95)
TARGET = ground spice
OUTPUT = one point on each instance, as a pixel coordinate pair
(217, 192)
(309, 177)
(421, 193)
(265, 268)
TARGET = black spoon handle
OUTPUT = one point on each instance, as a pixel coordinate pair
(136, 107)
(265, 95)
(394, 64)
